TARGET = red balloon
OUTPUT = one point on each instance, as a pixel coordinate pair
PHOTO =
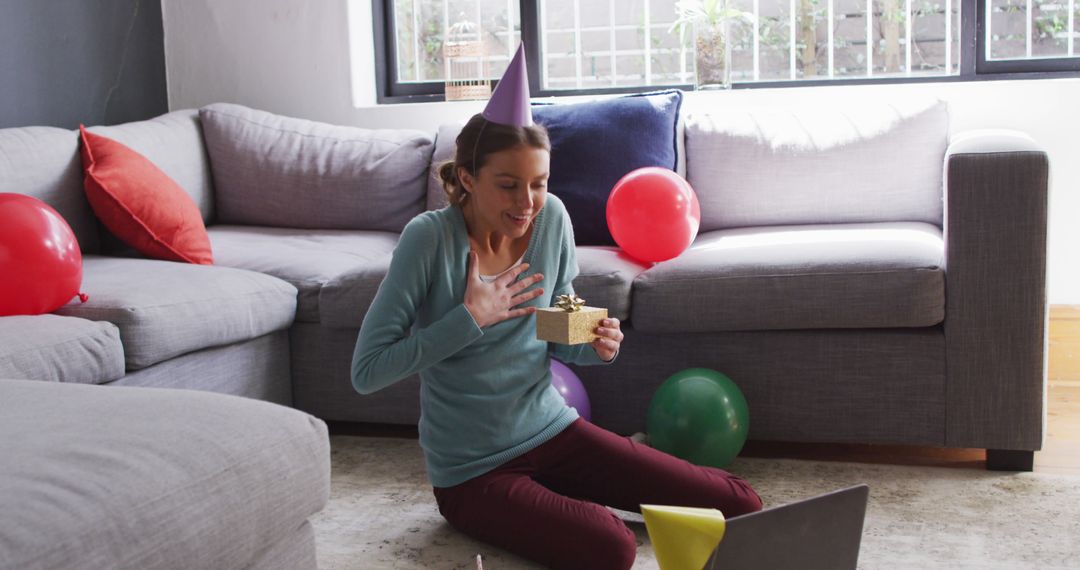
(40, 260)
(653, 214)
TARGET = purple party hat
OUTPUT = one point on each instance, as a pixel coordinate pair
(509, 104)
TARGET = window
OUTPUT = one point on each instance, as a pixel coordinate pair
(422, 28)
(603, 46)
(1029, 35)
(609, 44)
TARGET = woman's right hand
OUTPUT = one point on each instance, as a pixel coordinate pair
(494, 302)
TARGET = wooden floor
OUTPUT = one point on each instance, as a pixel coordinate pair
(1060, 453)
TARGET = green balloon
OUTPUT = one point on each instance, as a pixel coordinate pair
(699, 415)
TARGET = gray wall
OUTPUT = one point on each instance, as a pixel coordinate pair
(65, 62)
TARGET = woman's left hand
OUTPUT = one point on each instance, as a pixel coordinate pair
(607, 346)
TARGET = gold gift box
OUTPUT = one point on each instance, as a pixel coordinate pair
(557, 325)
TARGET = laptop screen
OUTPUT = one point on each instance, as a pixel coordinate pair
(819, 533)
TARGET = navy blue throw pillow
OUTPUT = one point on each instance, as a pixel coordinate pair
(594, 144)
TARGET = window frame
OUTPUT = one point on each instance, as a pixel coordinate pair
(973, 63)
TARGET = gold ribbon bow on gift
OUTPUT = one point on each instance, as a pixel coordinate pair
(569, 303)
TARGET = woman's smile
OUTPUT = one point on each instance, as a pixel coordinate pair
(521, 221)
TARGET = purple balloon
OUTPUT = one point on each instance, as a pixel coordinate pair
(569, 386)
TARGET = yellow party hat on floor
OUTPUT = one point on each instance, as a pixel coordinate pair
(683, 537)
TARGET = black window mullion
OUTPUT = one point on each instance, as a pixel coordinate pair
(385, 52)
(970, 46)
(530, 35)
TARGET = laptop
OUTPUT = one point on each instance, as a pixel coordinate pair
(819, 533)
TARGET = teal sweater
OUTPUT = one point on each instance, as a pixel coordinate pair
(485, 394)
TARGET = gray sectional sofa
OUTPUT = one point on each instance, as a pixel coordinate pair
(860, 274)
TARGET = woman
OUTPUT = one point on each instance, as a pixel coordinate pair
(510, 462)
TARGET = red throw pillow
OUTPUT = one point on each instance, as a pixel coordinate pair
(140, 204)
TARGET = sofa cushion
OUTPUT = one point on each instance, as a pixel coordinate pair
(595, 143)
(140, 204)
(43, 162)
(345, 299)
(166, 309)
(277, 171)
(606, 277)
(174, 143)
(880, 275)
(819, 163)
(307, 259)
(60, 349)
(113, 477)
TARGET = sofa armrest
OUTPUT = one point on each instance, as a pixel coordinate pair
(996, 185)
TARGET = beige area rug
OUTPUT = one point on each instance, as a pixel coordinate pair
(382, 513)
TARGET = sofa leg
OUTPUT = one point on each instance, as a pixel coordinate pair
(1010, 460)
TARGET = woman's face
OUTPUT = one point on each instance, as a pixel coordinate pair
(509, 190)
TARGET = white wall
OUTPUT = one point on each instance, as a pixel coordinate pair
(296, 57)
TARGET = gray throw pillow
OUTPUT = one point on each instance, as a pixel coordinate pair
(271, 170)
(821, 163)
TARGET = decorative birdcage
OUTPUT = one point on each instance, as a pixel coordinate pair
(463, 61)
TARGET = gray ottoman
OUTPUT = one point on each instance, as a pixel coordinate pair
(111, 477)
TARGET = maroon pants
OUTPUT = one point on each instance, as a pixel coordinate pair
(547, 504)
